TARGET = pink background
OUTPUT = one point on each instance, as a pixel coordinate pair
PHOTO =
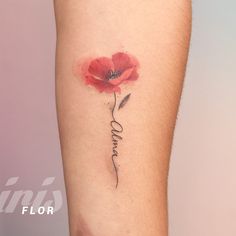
(202, 189)
(29, 144)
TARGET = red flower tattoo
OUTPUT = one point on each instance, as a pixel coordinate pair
(106, 75)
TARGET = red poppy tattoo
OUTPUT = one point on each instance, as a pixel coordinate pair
(107, 75)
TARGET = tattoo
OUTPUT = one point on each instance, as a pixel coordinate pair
(116, 131)
(124, 101)
(107, 75)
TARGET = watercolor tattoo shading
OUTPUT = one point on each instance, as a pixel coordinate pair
(107, 75)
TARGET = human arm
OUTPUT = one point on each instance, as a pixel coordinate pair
(156, 33)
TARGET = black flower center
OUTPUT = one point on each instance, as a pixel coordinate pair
(113, 74)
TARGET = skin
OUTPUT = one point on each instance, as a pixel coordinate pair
(157, 33)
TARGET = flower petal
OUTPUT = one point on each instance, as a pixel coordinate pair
(124, 76)
(123, 61)
(100, 67)
(134, 75)
(102, 86)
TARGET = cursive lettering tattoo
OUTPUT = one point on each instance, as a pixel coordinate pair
(107, 75)
(116, 132)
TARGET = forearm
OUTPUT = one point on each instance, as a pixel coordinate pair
(121, 192)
